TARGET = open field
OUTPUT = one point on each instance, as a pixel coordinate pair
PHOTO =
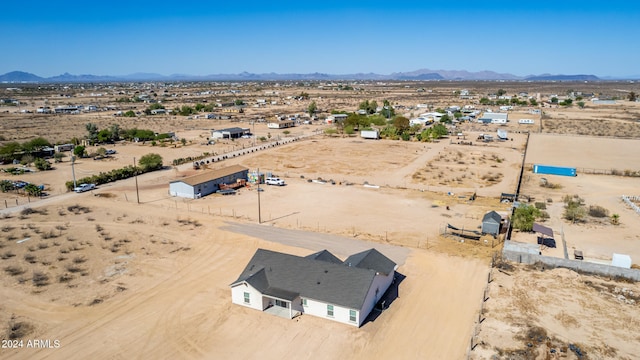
(107, 276)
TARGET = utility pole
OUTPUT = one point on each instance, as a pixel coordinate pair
(73, 172)
(259, 213)
(136, 176)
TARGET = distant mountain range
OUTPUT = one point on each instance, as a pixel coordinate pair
(422, 74)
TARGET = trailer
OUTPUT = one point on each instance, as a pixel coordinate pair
(370, 134)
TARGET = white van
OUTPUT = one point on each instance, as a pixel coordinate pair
(274, 181)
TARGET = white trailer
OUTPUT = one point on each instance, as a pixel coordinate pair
(370, 134)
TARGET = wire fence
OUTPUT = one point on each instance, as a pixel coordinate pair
(475, 339)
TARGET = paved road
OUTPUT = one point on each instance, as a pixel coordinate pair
(339, 245)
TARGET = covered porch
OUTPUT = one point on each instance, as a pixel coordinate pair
(281, 303)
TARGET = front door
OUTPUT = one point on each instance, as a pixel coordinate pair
(283, 304)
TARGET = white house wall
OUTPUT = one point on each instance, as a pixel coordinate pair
(256, 300)
(319, 309)
(380, 283)
(181, 189)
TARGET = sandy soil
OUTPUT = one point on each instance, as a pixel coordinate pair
(144, 292)
(537, 313)
(598, 238)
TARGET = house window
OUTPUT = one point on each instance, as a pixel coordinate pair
(247, 298)
(352, 315)
(330, 310)
(304, 302)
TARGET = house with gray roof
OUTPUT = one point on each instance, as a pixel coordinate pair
(203, 184)
(319, 284)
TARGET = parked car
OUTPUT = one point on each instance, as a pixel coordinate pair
(274, 181)
(110, 152)
(84, 187)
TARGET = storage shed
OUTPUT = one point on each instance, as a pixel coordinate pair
(199, 185)
(491, 223)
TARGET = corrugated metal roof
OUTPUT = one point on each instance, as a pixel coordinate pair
(212, 175)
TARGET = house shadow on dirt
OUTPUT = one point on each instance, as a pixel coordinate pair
(387, 299)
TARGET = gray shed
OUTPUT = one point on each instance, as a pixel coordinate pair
(491, 223)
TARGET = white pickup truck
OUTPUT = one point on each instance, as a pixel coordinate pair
(274, 181)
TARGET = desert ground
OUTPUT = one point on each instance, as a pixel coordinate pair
(110, 277)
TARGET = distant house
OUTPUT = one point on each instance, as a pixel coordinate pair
(199, 185)
(281, 124)
(319, 284)
(496, 118)
(491, 223)
(229, 133)
(336, 118)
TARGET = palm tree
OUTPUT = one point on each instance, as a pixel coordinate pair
(615, 219)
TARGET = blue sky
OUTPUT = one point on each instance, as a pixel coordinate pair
(48, 38)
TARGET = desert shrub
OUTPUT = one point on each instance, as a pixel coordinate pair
(30, 258)
(540, 206)
(598, 211)
(7, 228)
(14, 270)
(79, 259)
(66, 277)
(574, 212)
(77, 209)
(7, 255)
(74, 268)
(40, 279)
(50, 235)
(18, 330)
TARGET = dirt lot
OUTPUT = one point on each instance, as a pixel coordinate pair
(107, 276)
(596, 237)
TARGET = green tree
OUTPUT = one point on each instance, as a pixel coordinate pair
(401, 123)
(10, 148)
(485, 101)
(7, 185)
(580, 104)
(129, 113)
(36, 144)
(41, 164)
(79, 151)
(632, 96)
(238, 102)
(104, 135)
(440, 130)
(33, 190)
(533, 102)
(445, 119)
(554, 100)
(150, 162)
(92, 129)
(349, 130)
(524, 216)
(313, 107)
(115, 132)
(501, 92)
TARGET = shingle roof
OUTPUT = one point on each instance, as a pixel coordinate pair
(493, 216)
(287, 276)
(324, 255)
(371, 259)
(211, 175)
